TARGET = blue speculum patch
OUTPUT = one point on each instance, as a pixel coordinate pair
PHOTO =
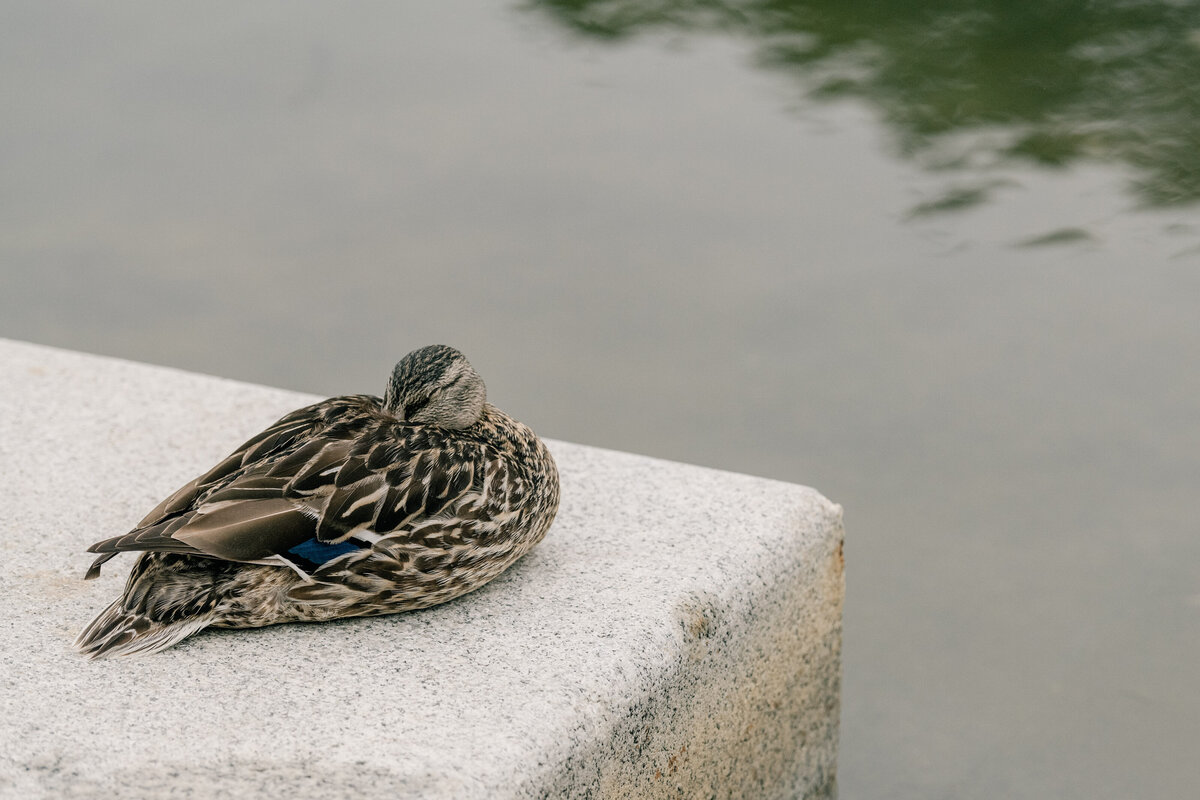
(315, 553)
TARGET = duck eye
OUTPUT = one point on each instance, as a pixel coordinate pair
(415, 407)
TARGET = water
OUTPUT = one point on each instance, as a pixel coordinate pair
(938, 260)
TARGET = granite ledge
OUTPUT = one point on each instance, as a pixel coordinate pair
(677, 634)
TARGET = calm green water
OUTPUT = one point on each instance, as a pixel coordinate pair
(940, 260)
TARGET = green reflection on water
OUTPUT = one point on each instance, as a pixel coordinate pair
(974, 85)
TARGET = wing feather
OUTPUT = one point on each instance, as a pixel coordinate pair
(354, 470)
(307, 485)
(279, 436)
(320, 471)
(249, 530)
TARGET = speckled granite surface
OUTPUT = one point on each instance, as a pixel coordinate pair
(677, 634)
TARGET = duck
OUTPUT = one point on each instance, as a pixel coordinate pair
(354, 506)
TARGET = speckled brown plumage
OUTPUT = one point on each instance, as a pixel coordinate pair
(353, 506)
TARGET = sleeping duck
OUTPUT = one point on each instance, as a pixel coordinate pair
(353, 506)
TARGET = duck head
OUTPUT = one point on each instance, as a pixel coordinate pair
(436, 386)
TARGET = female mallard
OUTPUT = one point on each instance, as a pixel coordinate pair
(350, 507)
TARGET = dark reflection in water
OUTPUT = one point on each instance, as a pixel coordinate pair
(972, 84)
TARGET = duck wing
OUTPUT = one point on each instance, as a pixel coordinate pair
(305, 492)
(299, 425)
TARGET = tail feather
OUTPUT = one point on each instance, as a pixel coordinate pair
(94, 570)
(167, 598)
(117, 631)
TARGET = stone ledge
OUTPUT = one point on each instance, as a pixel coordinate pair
(677, 634)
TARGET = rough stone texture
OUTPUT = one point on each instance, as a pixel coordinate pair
(677, 634)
